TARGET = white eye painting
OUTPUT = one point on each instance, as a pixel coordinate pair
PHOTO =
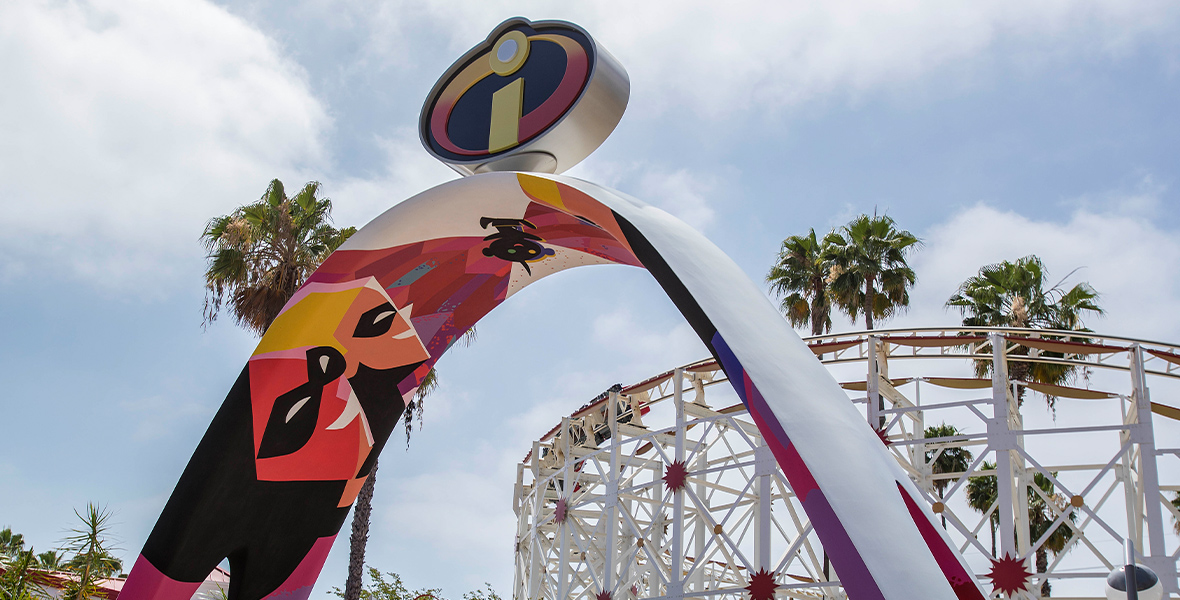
(299, 405)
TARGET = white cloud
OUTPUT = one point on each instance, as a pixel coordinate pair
(438, 508)
(683, 192)
(1120, 248)
(642, 348)
(408, 170)
(129, 123)
(752, 54)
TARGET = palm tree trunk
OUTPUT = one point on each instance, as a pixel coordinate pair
(1042, 566)
(943, 513)
(993, 527)
(817, 303)
(817, 323)
(870, 297)
(359, 538)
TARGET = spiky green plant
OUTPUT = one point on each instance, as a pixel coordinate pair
(93, 555)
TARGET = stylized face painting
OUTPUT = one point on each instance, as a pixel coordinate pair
(310, 422)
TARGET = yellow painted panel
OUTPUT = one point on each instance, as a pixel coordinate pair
(311, 322)
(539, 188)
(506, 107)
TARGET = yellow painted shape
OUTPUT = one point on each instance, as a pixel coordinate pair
(506, 106)
(541, 189)
(311, 322)
(514, 62)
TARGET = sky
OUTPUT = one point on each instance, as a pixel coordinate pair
(990, 130)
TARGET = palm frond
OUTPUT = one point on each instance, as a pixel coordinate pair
(261, 253)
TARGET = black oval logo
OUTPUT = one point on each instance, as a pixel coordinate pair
(507, 91)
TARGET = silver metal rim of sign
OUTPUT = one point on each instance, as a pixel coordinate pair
(583, 124)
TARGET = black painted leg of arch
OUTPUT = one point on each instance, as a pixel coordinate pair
(673, 287)
(219, 509)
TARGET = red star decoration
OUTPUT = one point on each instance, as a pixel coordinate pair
(884, 436)
(562, 510)
(762, 586)
(676, 475)
(1009, 575)
(603, 595)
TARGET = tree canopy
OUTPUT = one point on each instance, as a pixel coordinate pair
(389, 586)
(86, 557)
(799, 275)
(1013, 294)
(869, 272)
(261, 253)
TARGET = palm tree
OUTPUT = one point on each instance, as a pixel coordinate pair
(982, 494)
(51, 560)
(11, 543)
(261, 253)
(1013, 294)
(800, 273)
(954, 459)
(869, 273)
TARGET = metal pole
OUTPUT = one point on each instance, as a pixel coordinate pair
(522, 534)
(612, 494)
(1143, 433)
(563, 495)
(764, 469)
(700, 463)
(1024, 478)
(999, 437)
(676, 561)
(873, 386)
(534, 545)
(1129, 569)
(657, 531)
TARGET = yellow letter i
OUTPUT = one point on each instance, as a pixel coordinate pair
(505, 122)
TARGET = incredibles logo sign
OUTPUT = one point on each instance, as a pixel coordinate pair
(514, 89)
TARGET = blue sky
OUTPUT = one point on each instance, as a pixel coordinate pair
(991, 130)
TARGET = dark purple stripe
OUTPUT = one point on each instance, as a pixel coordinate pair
(854, 573)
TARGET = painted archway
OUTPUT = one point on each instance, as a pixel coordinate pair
(270, 484)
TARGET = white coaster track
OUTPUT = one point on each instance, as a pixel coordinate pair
(606, 467)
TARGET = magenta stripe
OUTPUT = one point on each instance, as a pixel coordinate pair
(854, 574)
(961, 581)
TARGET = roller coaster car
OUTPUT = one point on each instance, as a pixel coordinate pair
(627, 409)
